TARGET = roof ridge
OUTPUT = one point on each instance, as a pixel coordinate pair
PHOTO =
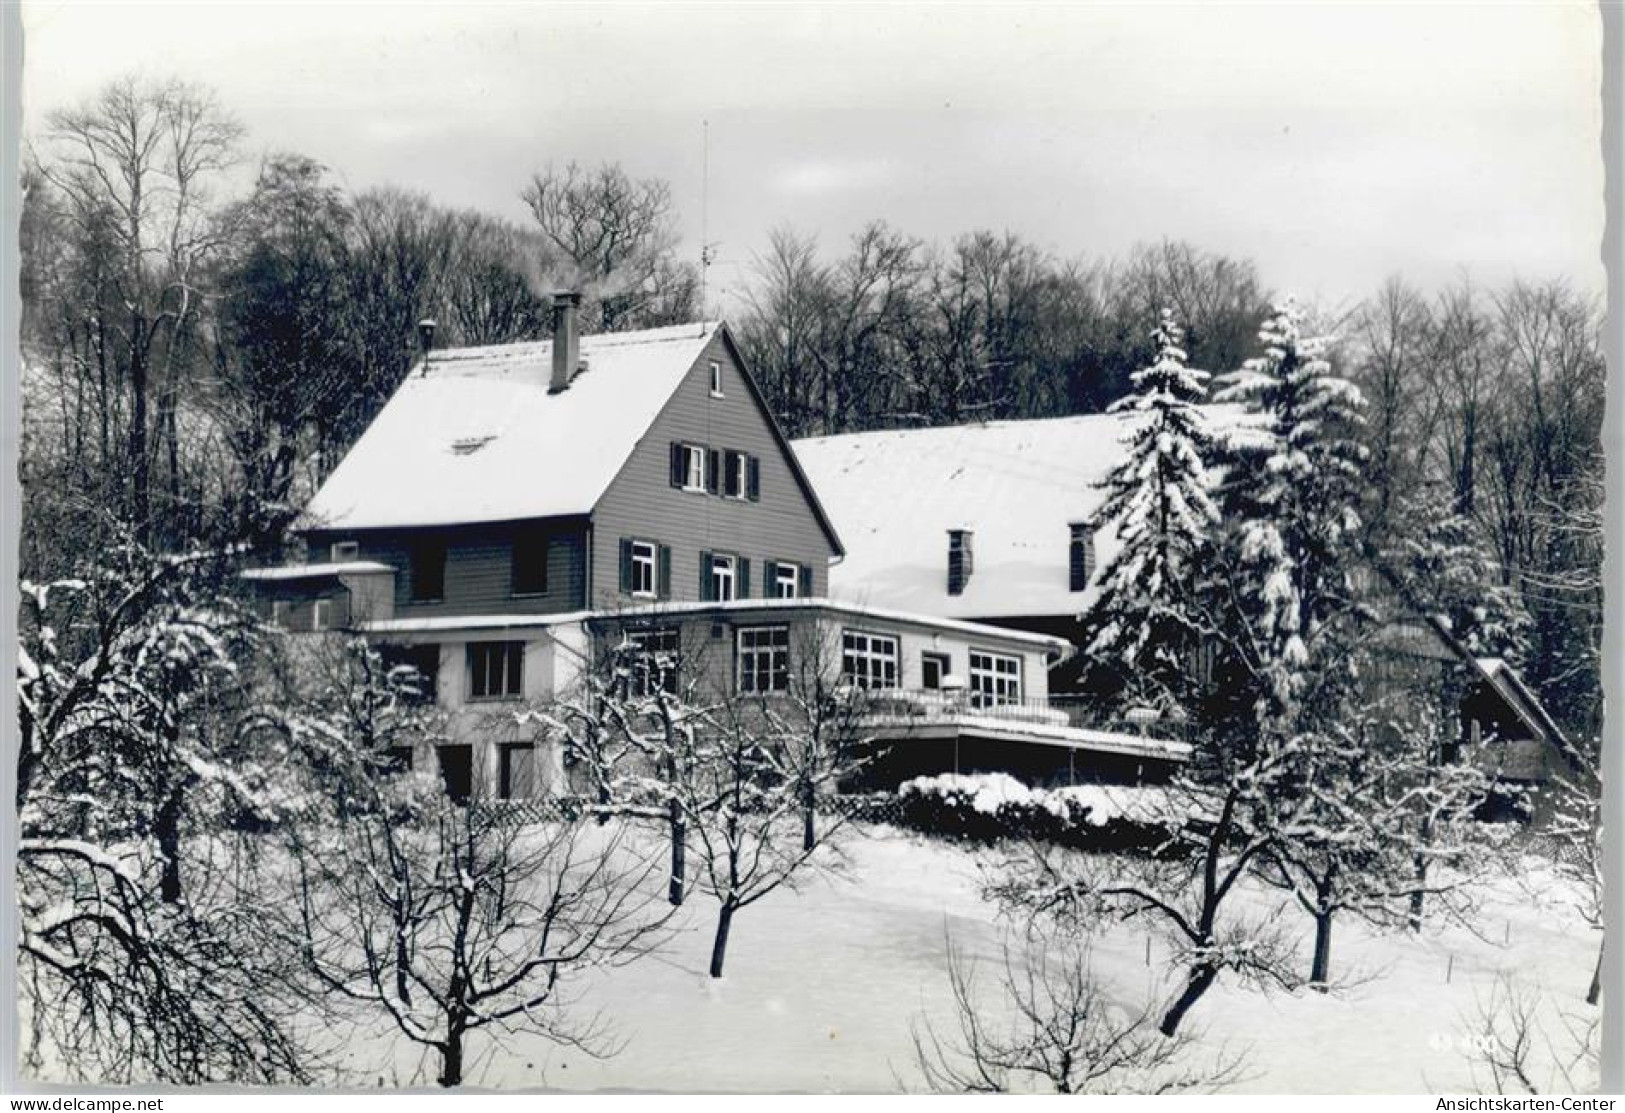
(665, 334)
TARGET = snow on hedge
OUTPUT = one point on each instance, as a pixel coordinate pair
(995, 793)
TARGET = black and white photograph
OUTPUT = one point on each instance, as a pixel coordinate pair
(810, 548)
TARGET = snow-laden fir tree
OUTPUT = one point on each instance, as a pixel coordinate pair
(1292, 490)
(1157, 501)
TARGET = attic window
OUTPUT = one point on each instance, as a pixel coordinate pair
(467, 446)
(716, 379)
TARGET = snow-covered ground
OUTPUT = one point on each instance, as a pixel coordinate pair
(822, 986)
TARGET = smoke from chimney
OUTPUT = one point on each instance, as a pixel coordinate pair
(566, 340)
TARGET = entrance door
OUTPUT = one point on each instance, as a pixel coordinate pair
(457, 770)
(933, 667)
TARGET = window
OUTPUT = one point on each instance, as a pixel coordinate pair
(655, 657)
(528, 575)
(784, 580)
(428, 571)
(733, 476)
(689, 467)
(869, 660)
(960, 563)
(412, 671)
(716, 379)
(933, 667)
(516, 771)
(1081, 556)
(279, 613)
(994, 678)
(321, 614)
(495, 669)
(396, 759)
(642, 581)
(723, 578)
(764, 659)
(342, 551)
(457, 771)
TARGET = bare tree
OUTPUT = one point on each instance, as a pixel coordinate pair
(1508, 1036)
(1052, 1023)
(458, 923)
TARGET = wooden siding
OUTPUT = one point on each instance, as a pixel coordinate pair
(479, 566)
(641, 503)
(299, 598)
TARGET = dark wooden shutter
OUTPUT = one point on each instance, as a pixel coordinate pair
(753, 479)
(626, 566)
(679, 464)
(744, 578)
(1081, 562)
(806, 581)
(705, 577)
(516, 668)
(665, 571)
(770, 579)
(713, 464)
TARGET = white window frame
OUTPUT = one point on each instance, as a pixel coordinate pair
(775, 650)
(724, 573)
(991, 683)
(321, 614)
(279, 613)
(716, 378)
(694, 468)
(872, 661)
(342, 551)
(786, 576)
(735, 480)
(652, 648)
(645, 556)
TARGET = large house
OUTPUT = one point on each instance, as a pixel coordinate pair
(988, 523)
(514, 510)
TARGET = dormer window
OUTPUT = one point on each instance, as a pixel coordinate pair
(960, 564)
(343, 551)
(1081, 556)
(716, 379)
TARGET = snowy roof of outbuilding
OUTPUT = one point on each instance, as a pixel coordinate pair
(473, 434)
(1017, 485)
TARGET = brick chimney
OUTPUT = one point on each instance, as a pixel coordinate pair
(566, 340)
(960, 564)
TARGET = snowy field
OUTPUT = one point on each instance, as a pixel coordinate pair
(822, 987)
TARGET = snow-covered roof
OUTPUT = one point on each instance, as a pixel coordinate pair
(1018, 485)
(1523, 700)
(315, 571)
(473, 435)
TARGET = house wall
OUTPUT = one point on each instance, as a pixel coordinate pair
(479, 566)
(642, 504)
(299, 602)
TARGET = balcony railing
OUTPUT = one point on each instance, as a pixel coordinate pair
(919, 707)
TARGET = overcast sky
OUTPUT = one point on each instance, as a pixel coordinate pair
(1333, 144)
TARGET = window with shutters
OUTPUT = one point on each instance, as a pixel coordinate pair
(495, 669)
(764, 659)
(529, 572)
(785, 581)
(869, 660)
(691, 467)
(724, 577)
(1081, 562)
(643, 570)
(994, 678)
(734, 474)
(428, 571)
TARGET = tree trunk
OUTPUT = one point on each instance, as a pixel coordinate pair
(451, 1057)
(1319, 971)
(169, 847)
(679, 840)
(809, 822)
(1202, 976)
(1594, 994)
(719, 947)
